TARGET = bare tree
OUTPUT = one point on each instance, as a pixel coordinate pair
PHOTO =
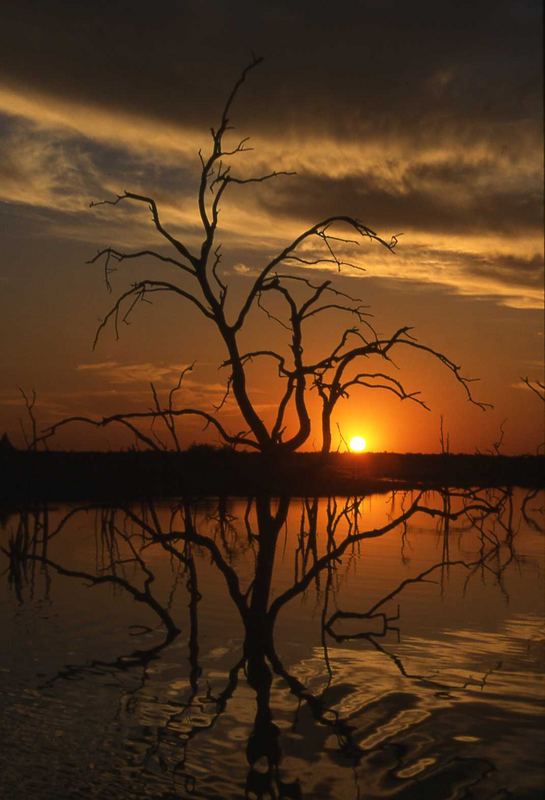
(537, 387)
(285, 280)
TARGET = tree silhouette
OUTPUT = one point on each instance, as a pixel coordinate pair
(285, 281)
(536, 386)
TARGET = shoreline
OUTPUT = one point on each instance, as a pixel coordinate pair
(57, 475)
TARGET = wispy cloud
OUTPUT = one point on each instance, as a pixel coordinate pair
(423, 155)
(165, 376)
(117, 373)
(459, 209)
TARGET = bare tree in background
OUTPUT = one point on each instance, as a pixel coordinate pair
(536, 386)
(289, 280)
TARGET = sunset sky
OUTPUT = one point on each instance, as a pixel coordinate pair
(423, 119)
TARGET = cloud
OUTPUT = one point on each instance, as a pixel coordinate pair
(163, 376)
(328, 65)
(513, 280)
(424, 197)
(116, 373)
(56, 167)
(40, 170)
(460, 219)
(524, 386)
(436, 134)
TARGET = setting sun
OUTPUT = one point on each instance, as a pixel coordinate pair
(357, 444)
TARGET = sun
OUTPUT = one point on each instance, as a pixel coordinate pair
(357, 444)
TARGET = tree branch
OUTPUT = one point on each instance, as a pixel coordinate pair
(537, 387)
(140, 198)
(315, 230)
(126, 419)
(138, 292)
(110, 252)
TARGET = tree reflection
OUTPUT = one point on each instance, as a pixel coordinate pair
(330, 529)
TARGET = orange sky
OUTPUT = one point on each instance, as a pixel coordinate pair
(437, 136)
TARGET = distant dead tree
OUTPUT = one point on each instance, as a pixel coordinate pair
(284, 280)
(537, 387)
(30, 438)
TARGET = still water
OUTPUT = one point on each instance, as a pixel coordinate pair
(385, 646)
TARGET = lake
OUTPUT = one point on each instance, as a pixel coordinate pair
(366, 647)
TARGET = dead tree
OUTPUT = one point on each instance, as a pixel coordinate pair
(536, 386)
(286, 278)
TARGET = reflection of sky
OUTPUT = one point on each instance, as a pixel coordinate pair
(472, 693)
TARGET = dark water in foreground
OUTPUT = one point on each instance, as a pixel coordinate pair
(391, 646)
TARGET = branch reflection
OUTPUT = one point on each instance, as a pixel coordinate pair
(330, 532)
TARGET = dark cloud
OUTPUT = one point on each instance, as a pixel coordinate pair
(409, 206)
(327, 65)
(510, 270)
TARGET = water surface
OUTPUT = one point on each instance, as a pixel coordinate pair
(387, 646)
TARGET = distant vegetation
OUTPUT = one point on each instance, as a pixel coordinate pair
(205, 471)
